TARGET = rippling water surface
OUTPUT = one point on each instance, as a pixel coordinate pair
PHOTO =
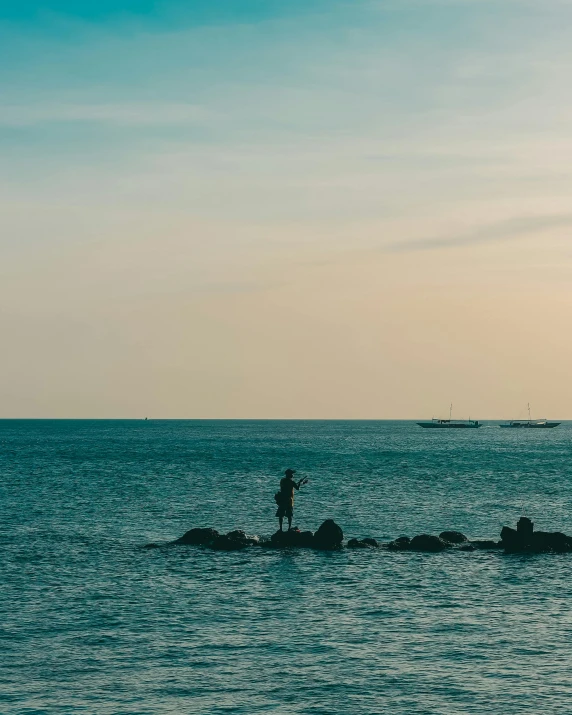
(90, 622)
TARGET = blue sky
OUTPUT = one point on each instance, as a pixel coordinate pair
(203, 12)
(199, 154)
(112, 80)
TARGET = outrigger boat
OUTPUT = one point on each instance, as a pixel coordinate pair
(438, 423)
(530, 423)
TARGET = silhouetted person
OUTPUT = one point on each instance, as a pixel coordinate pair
(285, 497)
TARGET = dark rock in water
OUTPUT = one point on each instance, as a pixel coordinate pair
(306, 538)
(514, 541)
(524, 527)
(399, 544)
(508, 536)
(223, 543)
(292, 538)
(427, 542)
(237, 535)
(453, 537)
(329, 536)
(362, 544)
(554, 541)
(525, 540)
(281, 538)
(233, 541)
(422, 542)
(198, 537)
(486, 544)
(539, 542)
(372, 543)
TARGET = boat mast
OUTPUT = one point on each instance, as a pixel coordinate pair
(529, 417)
(450, 411)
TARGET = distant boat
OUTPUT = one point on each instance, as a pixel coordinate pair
(530, 423)
(451, 424)
(437, 423)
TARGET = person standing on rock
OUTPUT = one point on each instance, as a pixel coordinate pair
(285, 497)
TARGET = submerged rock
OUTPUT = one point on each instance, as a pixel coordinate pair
(362, 544)
(329, 536)
(427, 542)
(486, 544)
(233, 541)
(453, 537)
(240, 535)
(223, 543)
(431, 543)
(373, 543)
(399, 544)
(198, 537)
(422, 542)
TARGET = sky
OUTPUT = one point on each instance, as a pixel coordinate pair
(261, 209)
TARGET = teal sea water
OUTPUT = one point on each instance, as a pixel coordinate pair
(91, 622)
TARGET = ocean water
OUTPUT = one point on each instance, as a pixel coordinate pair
(91, 622)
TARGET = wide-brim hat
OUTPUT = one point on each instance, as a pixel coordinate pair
(289, 472)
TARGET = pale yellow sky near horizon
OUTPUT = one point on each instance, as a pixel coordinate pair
(352, 333)
(351, 222)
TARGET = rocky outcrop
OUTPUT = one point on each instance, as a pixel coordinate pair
(524, 539)
(551, 541)
(329, 536)
(435, 544)
(198, 537)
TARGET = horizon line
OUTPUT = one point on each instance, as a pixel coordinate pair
(262, 419)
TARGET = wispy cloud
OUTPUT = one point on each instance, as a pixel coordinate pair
(510, 229)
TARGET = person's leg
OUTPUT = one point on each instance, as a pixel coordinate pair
(280, 521)
(289, 514)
